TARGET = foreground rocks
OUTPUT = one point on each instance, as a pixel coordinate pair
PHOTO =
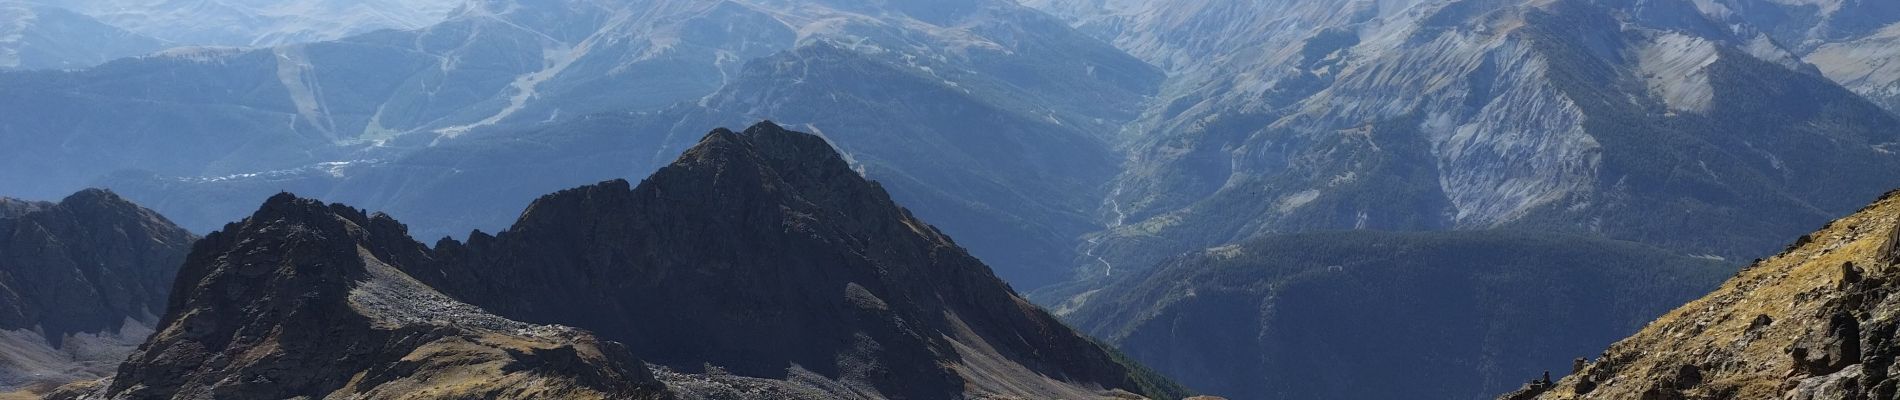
(1817, 321)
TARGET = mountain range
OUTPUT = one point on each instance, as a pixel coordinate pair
(1480, 174)
(1660, 122)
(36, 36)
(1014, 97)
(258, 23)
(757, 264)
(1627, 120)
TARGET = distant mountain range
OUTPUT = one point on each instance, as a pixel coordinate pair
(35, 36)
(1689, 125)
(1146, 169)
(1642, 122)
(1009, 112)
(259, 23)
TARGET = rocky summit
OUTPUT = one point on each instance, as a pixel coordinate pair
(82, 281)
(763, 254)
(1815, 322)
(301, 301)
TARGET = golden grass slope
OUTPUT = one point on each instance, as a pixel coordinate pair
(1770, 332)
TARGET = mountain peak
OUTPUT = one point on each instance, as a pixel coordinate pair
(94, 267)
(774, 259)
(305, 299)
(774, 144)
(94, 195)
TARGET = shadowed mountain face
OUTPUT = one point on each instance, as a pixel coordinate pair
(1372, 315)
(301, 300)
(81, 281)
(762, 251)
(758, 264)
(1814, 322)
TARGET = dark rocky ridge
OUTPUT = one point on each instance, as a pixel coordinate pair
(81, 282)
(763, 252)
(301, 300)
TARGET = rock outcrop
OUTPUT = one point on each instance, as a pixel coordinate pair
(82, 282)
(302, 300)
(1815, 322)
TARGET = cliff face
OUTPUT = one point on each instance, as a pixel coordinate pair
(303, 300)
(81, 282)
(1815, 322)
(763, 254)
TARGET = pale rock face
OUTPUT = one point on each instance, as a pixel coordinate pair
(1504, 161)
(1522, 147)
(1675, 67)
(1869, 66)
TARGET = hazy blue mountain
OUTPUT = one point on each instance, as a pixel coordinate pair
(1375, 315)
(1006, 113)
(1012, 183)
(36, 36)
(257, 23)
(1658, 122)
(1853, 42)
